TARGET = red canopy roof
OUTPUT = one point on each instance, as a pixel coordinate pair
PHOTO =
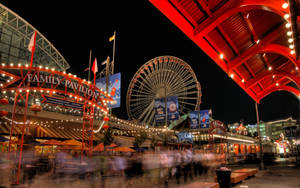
(253, 41)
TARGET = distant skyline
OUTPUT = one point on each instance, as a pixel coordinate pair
(143, 33)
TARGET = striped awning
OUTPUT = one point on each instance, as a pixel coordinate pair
(6, 126)
(55, 132)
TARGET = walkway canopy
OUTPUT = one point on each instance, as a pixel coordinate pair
(254, 41)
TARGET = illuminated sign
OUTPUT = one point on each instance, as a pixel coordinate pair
(185, 136)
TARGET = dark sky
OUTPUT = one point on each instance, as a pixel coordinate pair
(75, 27)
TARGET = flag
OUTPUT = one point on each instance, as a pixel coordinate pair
(112, 38)
(103, 62)
(86, 69)
(95, 66)
(31, 44)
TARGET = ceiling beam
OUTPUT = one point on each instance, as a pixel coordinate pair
(258, 49)
(267, 74)
(233, 7)
(274, 88)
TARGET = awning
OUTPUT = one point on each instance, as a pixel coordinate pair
(55, 132)
(5, 127)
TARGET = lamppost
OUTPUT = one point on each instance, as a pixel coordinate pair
(259, 136)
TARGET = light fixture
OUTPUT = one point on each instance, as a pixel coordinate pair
(277, 84)
(269, 68)
(221, 56)
(286, 16)
(290, 40)
(288, 25)
(289, 33)
(257, 41)
(243, 80)
(231, 75)
(273, 76)
(285, 5)
(291, 46)
(292, 52)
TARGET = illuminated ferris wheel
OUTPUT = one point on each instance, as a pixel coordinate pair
(162, 77)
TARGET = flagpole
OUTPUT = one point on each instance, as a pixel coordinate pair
(90, 64)
(114, 48)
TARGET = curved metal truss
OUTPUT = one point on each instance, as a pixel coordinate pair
(16, 34)
(162, 77)
(251, 40)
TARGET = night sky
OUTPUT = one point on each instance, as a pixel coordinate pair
(142, 34)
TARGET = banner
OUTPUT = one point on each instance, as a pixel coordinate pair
(160, 112)
(61, 102)
(172, 107)
(194, 117)
(204, 118)
(114, 88)
(185, 137)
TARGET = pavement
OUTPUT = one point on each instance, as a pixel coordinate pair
(284, 173)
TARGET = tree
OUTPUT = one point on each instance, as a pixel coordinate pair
(153, 142)
(166, 138)
(107, 138)
(139, 139)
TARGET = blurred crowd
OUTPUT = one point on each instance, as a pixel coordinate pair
(113, 169)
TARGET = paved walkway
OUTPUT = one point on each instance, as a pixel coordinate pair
(284, 174)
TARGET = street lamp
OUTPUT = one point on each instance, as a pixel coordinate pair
(259, 137)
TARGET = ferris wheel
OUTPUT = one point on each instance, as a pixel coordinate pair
(162, 77)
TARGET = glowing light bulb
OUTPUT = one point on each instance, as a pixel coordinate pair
(285, 5)
(286, 16)
(221, 56)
